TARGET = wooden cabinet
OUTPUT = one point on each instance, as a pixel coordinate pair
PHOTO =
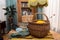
(23, 10)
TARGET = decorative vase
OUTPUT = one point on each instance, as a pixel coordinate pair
(39, 11)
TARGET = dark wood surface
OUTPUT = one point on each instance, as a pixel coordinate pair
(2, 27)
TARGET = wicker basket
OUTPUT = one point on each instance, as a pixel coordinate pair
(39, 30)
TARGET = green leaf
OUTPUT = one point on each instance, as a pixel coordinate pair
(5, 13)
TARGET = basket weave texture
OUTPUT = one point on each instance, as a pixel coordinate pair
(39, 30)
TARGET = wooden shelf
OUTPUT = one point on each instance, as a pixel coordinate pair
(24, 0)
(23, 6)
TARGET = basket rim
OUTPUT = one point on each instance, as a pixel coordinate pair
(34, 22)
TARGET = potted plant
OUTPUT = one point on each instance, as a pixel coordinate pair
(39, 4)
(10, 12)
(39, 28)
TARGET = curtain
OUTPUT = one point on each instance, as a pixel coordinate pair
(10, 3)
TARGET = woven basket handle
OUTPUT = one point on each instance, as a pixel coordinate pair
(45, 16)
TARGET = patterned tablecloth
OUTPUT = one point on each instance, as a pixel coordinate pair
(51, 36)
(48, 37)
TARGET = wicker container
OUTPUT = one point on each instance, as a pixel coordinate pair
(39, 30)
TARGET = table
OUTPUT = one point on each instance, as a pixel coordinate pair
(55, 35)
